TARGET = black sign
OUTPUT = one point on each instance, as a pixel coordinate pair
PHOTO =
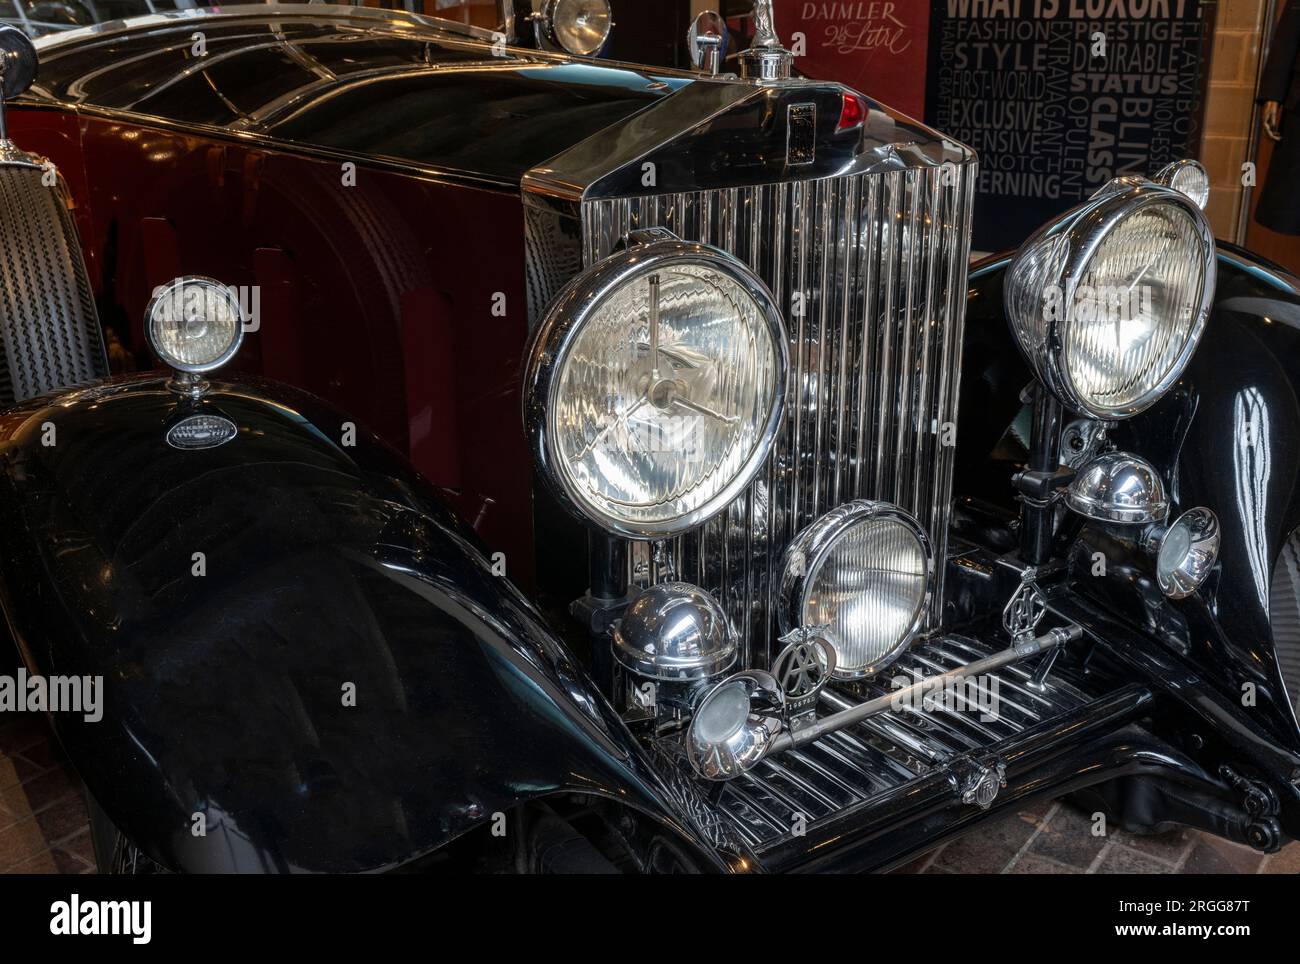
(1059, 96)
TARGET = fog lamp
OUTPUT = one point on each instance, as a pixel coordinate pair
(733, 725)
(1187, 552)
(194, 324)
(862, 575)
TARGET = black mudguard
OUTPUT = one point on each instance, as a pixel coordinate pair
(328, 569)
(1246, 370)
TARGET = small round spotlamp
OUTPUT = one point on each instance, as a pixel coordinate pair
(194, 324)
(580, 27)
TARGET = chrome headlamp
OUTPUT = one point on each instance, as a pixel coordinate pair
(1109, 301)
(194, 324)
(579, 27)
(862, 575)
(654, 387)
(1188, 177)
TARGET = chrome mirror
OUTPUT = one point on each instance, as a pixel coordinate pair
(706, 41)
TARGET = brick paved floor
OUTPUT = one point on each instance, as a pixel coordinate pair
(43, 830)
(1057, 838)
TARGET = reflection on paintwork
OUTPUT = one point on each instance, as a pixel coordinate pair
(1250, 459)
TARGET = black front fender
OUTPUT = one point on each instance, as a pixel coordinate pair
(1224, 437)
(297, 640)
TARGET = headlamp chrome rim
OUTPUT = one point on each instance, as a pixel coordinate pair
(169, 290)
(1077, 235)
(808, 553)
(1171, 173)
(554, 338)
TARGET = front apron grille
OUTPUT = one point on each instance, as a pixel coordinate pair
(880, 262)
(880, 755)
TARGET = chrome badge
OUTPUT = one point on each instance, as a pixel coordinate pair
(801, 134)
(801, 670)
(202, 431)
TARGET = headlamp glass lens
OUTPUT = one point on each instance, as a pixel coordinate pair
(868, 589)
(664, 396)
(194, 324)
(1135, 307)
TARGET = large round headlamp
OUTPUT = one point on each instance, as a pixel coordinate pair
(862, 574)
(1109, 301)
(654, 387)
(194, 324)
(580, 27)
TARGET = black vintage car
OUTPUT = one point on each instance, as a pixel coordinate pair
(562, 465)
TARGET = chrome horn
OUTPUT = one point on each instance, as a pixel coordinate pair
(1186, 552)
(734, 725)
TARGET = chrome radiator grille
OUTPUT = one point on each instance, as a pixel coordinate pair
(870, 273)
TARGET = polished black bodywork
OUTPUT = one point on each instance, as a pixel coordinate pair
(355, 84)
(325, 565)
(1222, 438)
(352, 683)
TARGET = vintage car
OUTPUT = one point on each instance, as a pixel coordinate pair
(562, 465)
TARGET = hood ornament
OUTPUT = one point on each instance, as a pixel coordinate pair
(766, 58)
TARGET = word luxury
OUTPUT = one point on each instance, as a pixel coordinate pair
(1073, 9)
(52, 694)
(71, 918)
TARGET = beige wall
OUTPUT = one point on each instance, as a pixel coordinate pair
(1229, 108)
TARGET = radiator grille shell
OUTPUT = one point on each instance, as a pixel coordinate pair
(869, 271)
